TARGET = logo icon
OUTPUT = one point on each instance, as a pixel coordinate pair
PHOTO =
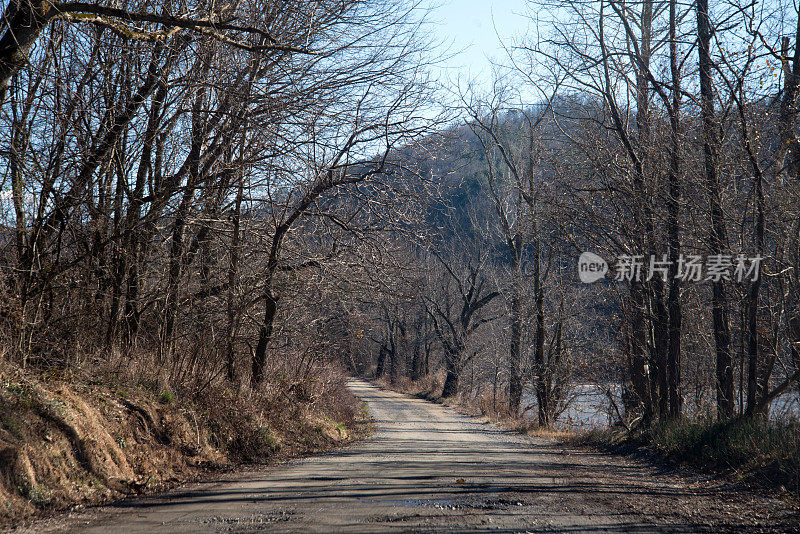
(591, 267)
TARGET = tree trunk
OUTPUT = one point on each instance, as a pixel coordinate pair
(450, 388)
(638, 369)
(25, 20)
(724, 364)
(233, 270)
(417, 359)
(755, 387)
(654, 292)
(673, 228)
(515, 355)
(174, 270)
(543, 393)
(264, 337)
(381, 368)
(788, 156)
(179, 226)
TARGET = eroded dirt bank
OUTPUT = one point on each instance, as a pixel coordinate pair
(430, 469)
(65, 442)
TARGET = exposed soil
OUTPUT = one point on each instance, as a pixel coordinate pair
(428, 469)
(66, 443)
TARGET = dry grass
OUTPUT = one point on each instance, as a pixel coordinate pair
(88, 436)
(755, 451)
(758, 451)
(428, 387)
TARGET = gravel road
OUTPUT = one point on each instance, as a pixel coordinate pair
(429, 469)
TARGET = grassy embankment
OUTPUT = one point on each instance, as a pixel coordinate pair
(70, 437)
(754, 451)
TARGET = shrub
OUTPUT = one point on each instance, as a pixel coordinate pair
(760, 451)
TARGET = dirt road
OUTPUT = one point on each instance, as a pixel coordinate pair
(430, 469)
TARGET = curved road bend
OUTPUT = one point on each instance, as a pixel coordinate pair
(429, 469)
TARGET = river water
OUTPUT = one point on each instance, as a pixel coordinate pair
(590, 407)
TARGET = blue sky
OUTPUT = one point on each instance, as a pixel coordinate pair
(472, 29)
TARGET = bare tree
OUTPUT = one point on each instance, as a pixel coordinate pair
(458, 311)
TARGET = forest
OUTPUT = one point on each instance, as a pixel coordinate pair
(256, 199)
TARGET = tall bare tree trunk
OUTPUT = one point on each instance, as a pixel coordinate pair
(637, 360)
(515, 356)
(656, 309)
(673, 227)
(181, 215)
(543, 391)
(788, 160)
(754, 388)
(233, 270)
(724, 363)
(270, 309)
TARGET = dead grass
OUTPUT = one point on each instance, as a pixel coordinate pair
(74, 437)
(756, 452)
(428, 387)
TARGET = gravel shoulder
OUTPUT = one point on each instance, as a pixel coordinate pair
(430, 469)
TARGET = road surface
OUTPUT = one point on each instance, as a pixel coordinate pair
(429, 469)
